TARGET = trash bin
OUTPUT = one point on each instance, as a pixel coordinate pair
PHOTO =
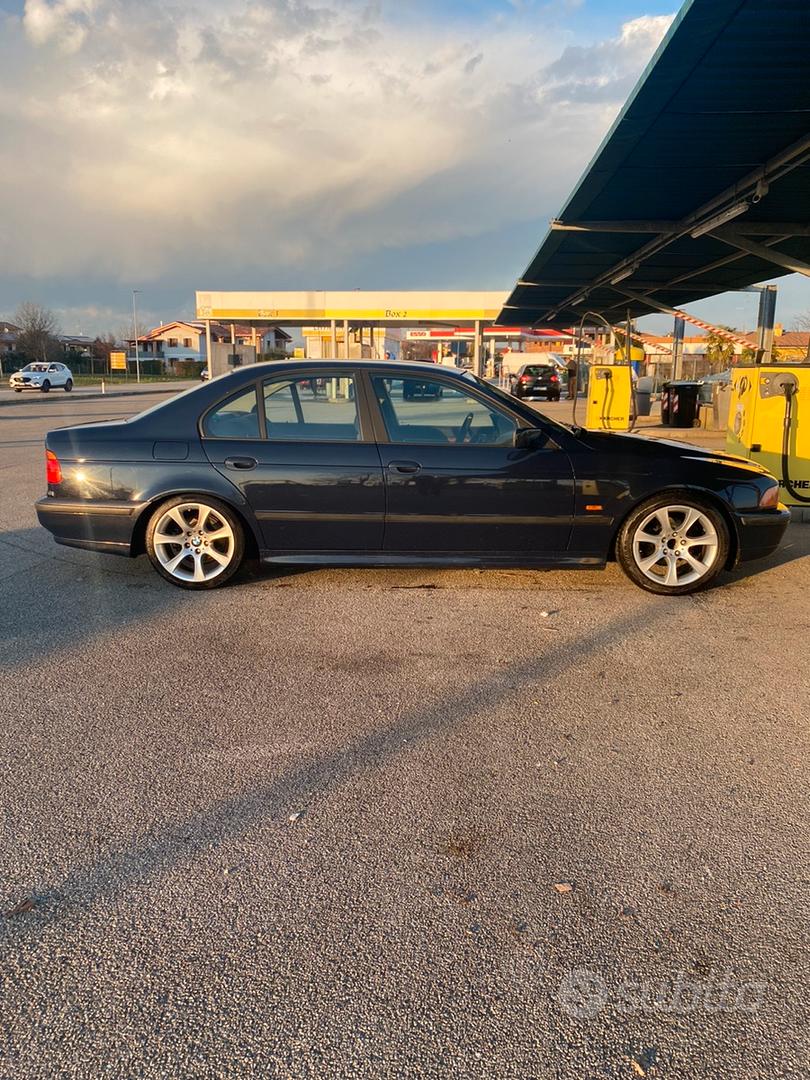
(679, 404)
(644, 389)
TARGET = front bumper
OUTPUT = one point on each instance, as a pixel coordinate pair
(99, 526)
(759, 532)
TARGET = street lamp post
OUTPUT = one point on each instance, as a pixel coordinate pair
(135, 326)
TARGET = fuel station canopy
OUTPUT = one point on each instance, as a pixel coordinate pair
(702, 184)
(375, 308)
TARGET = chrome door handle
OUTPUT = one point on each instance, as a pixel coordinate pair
(240, 463)
(408, 467)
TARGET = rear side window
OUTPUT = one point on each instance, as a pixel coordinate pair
(313, 409)
(236, 418)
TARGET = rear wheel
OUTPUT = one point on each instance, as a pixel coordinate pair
(17, 390)
(673, 544)
(46, 386)
(195, 543)
(68, 386)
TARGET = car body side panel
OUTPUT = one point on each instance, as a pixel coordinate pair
(107, 484)
(308, 496)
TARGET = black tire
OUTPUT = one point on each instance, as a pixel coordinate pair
(16, 391)
(68, 386)
(673, 499)
(46, 386)
(222, 511)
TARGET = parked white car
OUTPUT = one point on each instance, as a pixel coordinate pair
(41, 377)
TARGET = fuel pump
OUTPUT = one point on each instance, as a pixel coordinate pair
(769, 422)
(611, 400)
(769, 415)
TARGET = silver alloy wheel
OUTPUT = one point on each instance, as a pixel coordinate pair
(675, 545)
(193, 542)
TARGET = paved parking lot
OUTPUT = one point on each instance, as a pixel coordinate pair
(395, 824)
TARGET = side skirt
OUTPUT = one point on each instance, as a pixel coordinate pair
(549, 561)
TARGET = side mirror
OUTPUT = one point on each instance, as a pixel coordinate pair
(529, 438)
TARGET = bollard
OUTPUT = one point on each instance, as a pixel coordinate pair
(102, 387)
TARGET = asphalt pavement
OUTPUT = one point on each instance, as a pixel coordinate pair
(373, 824)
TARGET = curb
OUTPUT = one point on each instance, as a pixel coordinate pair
(24, 399)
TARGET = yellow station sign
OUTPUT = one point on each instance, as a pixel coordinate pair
(402, 308)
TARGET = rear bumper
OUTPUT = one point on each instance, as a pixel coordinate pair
(760, 532)
(99, 526)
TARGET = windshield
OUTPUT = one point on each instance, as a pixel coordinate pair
(35, 367)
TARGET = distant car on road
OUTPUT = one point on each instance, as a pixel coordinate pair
(42, 377)
(537, 381)
(255, 463)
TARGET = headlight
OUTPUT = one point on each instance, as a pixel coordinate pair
(769, 499)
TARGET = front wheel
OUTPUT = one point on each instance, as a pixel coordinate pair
(46, 386)
(673, 544)
(195, 542)
(68, 386)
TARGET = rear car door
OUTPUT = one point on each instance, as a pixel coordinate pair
(300, 448)
(455, 480)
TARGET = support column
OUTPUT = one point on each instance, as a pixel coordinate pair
(477, 350)
(208, 348)
(333, 329)
(346, 339)
(767, 311)
(677, 349)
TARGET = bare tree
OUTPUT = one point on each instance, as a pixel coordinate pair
(37, 338)
(102, 346)
(802, 322)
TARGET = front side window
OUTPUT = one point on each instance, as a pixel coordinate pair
(236, 418)
(312, 409)
(423, 411)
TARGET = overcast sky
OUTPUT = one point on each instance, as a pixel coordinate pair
(273, 144)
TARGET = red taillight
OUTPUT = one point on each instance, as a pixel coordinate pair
(525, 378)
(555, 378)
(53, 470)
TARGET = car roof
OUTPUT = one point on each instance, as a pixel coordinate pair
(400, 367)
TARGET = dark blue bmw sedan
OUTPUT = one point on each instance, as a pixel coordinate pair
(360, 463)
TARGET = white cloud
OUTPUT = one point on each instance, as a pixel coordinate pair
(142, 140)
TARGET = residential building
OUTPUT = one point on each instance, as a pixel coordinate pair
(186, 340)
(8, 337)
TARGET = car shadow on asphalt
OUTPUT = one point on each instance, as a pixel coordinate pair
(233, 818)
(795, 546)
(107, 593)
(111, 592)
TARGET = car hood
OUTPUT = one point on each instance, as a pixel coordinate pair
(641, 446)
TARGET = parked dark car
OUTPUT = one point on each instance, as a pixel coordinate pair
(253, 463)
(537, 381)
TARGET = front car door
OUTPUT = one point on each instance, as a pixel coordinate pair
(301, 449)
(454, 478)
